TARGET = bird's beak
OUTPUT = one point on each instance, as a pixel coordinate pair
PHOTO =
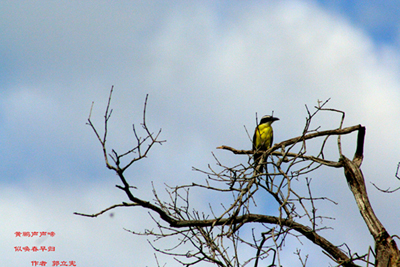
(275, 119)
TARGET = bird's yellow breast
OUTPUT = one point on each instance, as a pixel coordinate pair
(264, 136)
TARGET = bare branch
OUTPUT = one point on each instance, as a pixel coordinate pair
(397, 171)
(216, 236)
(295, 140)
(107, 209)
(388, 191)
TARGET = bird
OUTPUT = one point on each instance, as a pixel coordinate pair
(263, 138)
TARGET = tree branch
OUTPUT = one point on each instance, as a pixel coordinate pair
(208, 235)
(387, 253)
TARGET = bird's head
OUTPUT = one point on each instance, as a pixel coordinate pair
(268, 119)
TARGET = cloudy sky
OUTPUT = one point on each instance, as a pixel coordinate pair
(208, 67)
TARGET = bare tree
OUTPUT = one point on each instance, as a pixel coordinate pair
(218, 237)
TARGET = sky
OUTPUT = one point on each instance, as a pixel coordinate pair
(208, 68)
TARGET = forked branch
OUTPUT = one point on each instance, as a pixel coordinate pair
(209, 232)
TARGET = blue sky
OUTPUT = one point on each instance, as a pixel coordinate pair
(208, 67)
(378, 18)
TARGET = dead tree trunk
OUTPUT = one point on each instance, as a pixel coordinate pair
(387, 253)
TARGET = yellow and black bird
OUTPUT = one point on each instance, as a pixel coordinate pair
(263, 138)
